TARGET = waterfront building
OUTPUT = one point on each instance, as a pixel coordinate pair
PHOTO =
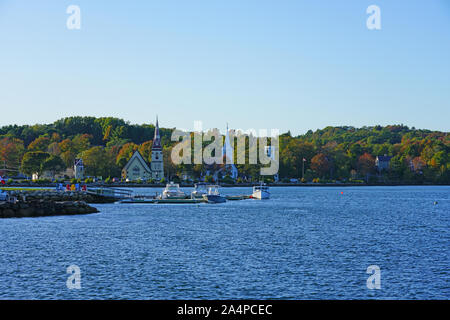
(137, 168)
(78, 169)
(157, 164)
(382, 162)
(228, 156)
(270, 152)
(227, 168)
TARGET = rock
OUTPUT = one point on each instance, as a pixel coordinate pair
(8, 213)
(26, 212)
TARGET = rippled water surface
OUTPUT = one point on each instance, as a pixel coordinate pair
(304, 243)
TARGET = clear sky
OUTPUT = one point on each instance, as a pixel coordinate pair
(283, 64)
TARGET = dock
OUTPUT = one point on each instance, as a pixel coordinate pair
(161, 201)
(156, 200)
(238, 197)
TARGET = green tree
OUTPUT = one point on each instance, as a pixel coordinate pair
(100, 161)
(52, 164)
(32, 162)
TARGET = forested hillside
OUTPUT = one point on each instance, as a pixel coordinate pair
(333, 153)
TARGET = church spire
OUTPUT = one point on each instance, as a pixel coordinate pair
(227, 149)
(157, 137)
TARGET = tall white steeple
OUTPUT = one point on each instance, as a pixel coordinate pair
(157, 164)
(228, 154)
(227, 149)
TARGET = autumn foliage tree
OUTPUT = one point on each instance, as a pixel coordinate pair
(39, 144)
(146, 150)
(11, 152)
(366, 165)
(125, 154)
(338, 153)
(320, 164)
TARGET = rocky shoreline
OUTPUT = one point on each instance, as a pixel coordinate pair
(225, 185)
(43, 208)
(41, 203)
(61, 196)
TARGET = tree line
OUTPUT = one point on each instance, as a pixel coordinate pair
(342, 153)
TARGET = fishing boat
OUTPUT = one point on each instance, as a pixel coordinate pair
(261, 192)
(200, 189)
(213, 195)
(173, 191)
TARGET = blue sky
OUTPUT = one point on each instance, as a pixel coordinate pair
(295, 65)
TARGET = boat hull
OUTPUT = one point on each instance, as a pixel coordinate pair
(197, 195)
(261, 195)
(213, 198)
(178, 196)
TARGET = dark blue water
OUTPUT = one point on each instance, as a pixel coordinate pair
(304, 243)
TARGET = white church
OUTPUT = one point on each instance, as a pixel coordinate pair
(138, 168)
(229, 167)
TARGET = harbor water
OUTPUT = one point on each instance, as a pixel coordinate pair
(303, 243)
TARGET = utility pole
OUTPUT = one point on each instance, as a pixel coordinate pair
(303, 168)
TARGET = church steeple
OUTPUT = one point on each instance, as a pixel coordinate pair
(228, 154)
(227, 149)
(157, 164)
(157, 137)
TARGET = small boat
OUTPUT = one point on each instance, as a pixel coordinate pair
(200, 189)
(261, 192)
(173, 191)
(213, 195)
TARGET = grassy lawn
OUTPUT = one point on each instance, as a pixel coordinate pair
(24, 189)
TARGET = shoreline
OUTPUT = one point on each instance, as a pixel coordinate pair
(44, 208)
(190, 185)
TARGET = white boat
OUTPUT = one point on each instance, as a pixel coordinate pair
(213, 195)
(261, 192)
(200, 189)
(173, 191)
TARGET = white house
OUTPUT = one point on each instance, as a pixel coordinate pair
(78, 169)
